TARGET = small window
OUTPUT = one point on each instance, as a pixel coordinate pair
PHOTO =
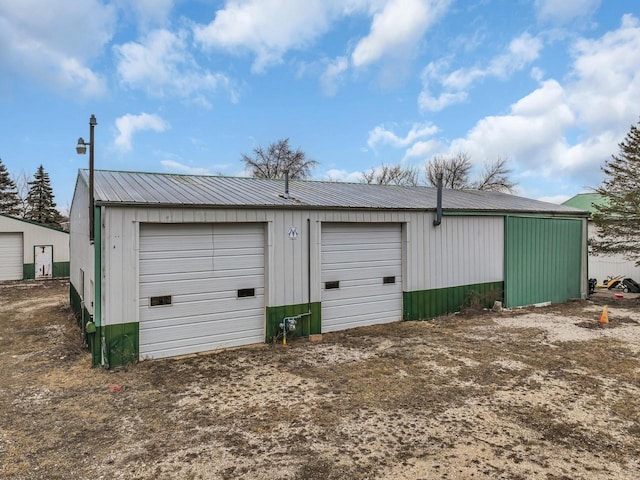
(386, 280)
(246, 292)
(331, 285)
(160, 301)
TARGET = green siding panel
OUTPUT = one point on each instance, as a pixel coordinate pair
(82, 316)
(60, 269)
(543, 259)
(121, 343)
(424, 304)
(29, 271)
(304, 327)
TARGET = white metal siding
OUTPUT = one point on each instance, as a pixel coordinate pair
(11, 256)
(602, 266)
(201, 266)
(462, 250)
(359, 256)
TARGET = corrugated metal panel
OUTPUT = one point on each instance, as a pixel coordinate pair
(36, 234)
(11, 256)
(359, 257)
(190, 190)
(461, 251)
(202, 267)
(543, 259)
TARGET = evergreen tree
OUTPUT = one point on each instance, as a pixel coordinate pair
(618, 218)
(41, 207)
(9, 201)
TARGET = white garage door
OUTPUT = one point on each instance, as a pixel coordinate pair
(11, 256)
(361, 275)
(201, 287)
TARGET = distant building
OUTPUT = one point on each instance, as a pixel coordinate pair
(602, 266)
(29, 250)
(183, 264)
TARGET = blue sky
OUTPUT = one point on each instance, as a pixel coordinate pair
(188, 86)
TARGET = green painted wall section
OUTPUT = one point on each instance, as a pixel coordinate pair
(424, 304)
(543, 259)
(60, 270)
(122, 344)
(82, 316)
(304, 327)
(28, 271)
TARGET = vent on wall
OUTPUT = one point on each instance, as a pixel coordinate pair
(160, 301)
(331, 285)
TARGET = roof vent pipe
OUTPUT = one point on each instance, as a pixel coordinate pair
(286, 184)
(438, 219)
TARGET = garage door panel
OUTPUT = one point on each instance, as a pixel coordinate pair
(202, 307)
(364, 256)
(202, 267)
(359, 256)
(202, 344)
(365, 272)
(209, 321)
(170, 265)
(11, 256)
(208, 287)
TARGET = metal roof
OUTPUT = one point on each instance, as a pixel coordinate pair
(586, 201)
(159, 189)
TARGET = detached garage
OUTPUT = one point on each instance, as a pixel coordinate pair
(185, 264)
(30, 250)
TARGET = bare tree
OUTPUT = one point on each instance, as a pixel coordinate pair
(21, 179)
(455, 170)
(495, 177)
(391, 175)
(277, 159)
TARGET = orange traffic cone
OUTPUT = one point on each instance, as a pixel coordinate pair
(604, 318)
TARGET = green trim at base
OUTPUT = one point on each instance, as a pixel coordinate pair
(28, 271)
(122, 343)
(82, 316)
(424, 304)
(305, 326)
(60, 270)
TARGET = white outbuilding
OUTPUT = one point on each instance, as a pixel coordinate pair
(29, 250)
(601, 266)
(183, 264)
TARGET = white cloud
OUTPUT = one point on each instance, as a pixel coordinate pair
(557, 199)
(569, 130)
(422, 149)
(173, 166)
(150, 12)
(266, 28)
(161, 65)
(333, 75)
(381, 135)
(129, 124)
(398, 27)
(54, 44)
(522, 51)
(606, 89)
(338, 175)
(565, 10)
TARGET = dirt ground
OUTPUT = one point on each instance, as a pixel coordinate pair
(540, 393)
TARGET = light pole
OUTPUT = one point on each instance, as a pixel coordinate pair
(81, 148)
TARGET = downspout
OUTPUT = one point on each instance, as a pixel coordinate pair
(438, 219)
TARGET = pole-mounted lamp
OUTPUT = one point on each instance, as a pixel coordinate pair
(81, 148)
